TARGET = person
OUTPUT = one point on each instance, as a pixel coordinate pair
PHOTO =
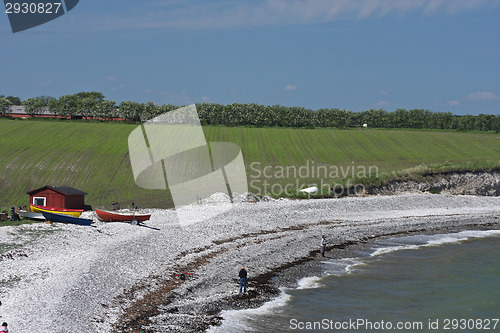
(13, 215)
(323, 245)
(115, 205)
(4, 328)
(243, 279)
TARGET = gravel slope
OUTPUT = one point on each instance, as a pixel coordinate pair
(117, 277)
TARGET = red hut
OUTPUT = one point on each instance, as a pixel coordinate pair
(58, 196)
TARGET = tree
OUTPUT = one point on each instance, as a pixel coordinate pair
(149, 110)
(334, 118)
(106, 109)
(417, 118)
(375, 118)
(130, 110)
(5, 105)
(33, 106)
(93, 95)
(88, 107)
(14, 100)
(93, 104)
(48, 103)
(466, 123)
(209, 113)
(68, 106)
(484, 122)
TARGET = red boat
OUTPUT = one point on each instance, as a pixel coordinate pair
(107, 216)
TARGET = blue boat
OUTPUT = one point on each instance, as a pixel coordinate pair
(53, 217)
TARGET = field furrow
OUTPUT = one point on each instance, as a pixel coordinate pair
(93, 157)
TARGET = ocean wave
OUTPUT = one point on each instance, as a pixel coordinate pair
(236, 320)
(342, 266)
(309, 282)
(240, 320)
(416, 242)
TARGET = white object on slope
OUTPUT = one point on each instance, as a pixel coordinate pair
(312, 189)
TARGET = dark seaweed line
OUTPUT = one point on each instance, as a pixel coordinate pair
(137, 314)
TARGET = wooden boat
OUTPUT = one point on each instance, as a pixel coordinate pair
(31, 215)
(107, 216)
(54, 217)
(41, 209)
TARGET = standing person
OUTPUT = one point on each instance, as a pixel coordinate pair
(323, 245)
(14, 216)
(4, 328)
(243, 279)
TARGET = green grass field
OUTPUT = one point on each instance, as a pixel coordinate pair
(94, 157)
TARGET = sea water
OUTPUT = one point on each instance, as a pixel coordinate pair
(436, 283)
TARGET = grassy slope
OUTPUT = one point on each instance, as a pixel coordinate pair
(93, 157)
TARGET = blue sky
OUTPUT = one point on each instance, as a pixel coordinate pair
(441, 55)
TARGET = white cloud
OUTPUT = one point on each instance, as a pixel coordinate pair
(205, 98)
(197, 14)
(432, 6)
(290, 87)
(110, 78)
(457, 6)
(386, 91)
(382, 103)
(453, 103)
(483, 96)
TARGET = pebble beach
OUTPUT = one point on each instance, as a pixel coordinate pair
(117, 277)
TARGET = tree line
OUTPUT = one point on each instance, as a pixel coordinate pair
(94, 105)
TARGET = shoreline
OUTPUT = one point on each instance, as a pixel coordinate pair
(313, 284)
(267, 287)
(116, 277)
